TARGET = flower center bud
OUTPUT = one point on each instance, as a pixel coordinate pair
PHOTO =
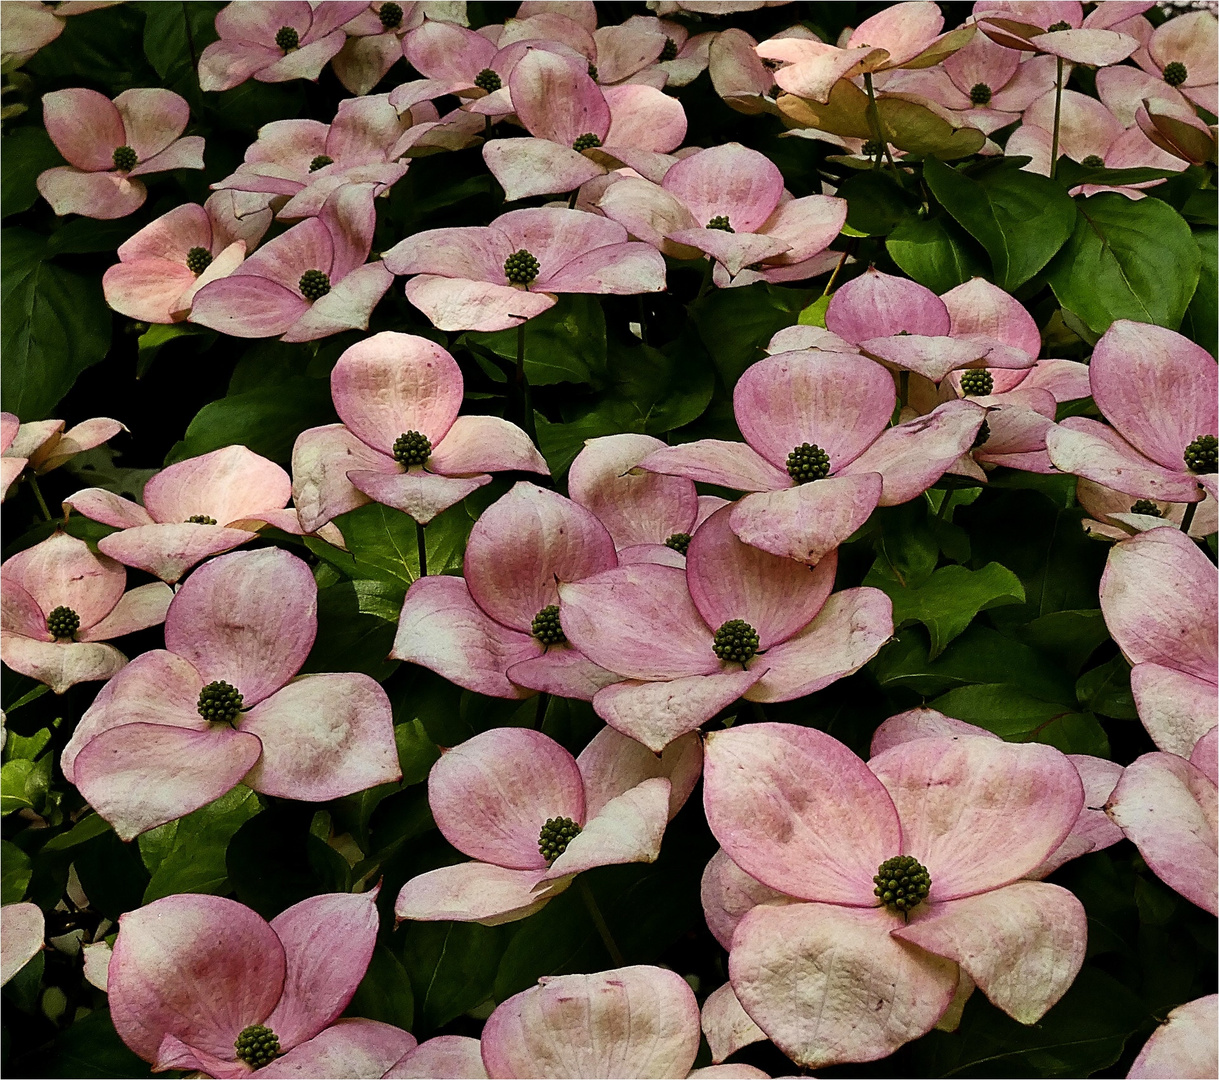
(1202, 455)
(592, 74)
(1093, 161)
(390, 16)
(720, 221)
(977, 382)
(556, 834)
(198, 259)
(808, 462)
(736, 641)
(1055, 27)
(220, 703)
(320, 162)
(871, 148)
(521, 268)
(314, 284)
(669, 52)
(412, 448)
(488, 80)
(546, 628)
(980, 94)
(125, 159)
(586, 142)
(1175, 73)
(679, 542)
(982, 436)
(257, 1045)
(902, 883)
(287, 38)
(63, 623)
(200, 519)
(1147, 508)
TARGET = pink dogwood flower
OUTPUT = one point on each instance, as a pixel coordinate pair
(219, 705)
(375, 38)
(1169, 807)
(651, 517)
(497, 630)
(44, 445)
(27, 25)
(905, 871)
(109, 144)
(818, 459)
(21, 931)
(401, 441)
(62, 604)
(193, 509)
(1160, 598)
(578, 129)
(1183, 1045)
(203, 983)
(531, 817)
(307, 283)
(1158, 390)
(1059, 28)
(163, 265)
(737, 622)
(729, 203)
(1116, 516)
(274, 42)
(501, 275)
(1182, 52)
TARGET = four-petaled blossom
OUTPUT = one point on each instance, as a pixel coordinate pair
(204, 983)
(1059, 28)
(1116, 516)
(1183, 1045)
(497, 631)
(401, 441)
(62, 604)
(1160, 392)
(499, 276)
(109, 144)
(307, 283)
(1160, 598)
(531, 817)
(1182, 52)
(580, 130)
(162, 266)
(43, 445)
(737, 622)
(729, 203)
(220, 706)
(27, 25)
(817, 457)
(874, 882)
(377, 36)
(1169, 807)
(193, 509)
(21, 930)
(274, 42)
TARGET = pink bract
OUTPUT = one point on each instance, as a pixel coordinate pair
(1113, 517)
(494, 631)
(145, 752)
(791, 406)
(666, 632)
(27, 25)
(192, 509)
(62, 604)
(392, 389)
(108, 144)
(21, 931)
(1189, 41)
(375, 40)
(462, 279)
(802, 816)
(1060, 28)
(495, 796)
(169, 260)
(562, 108)
(1160, 598)
(307, 283)
(44, 445)
(1184, 1046)
(190, 974)
(274, 42)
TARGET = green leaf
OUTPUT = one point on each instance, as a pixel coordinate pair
(23, 784)
(174, 35)
(1201, 322)
(917, 130)
(349, 636)
(24, 153)
(950, 598)
(1069, 636)
(1126, 260)
(416, 751)
(111, 874)
(1017, 717)
(90, 1049)
(564, 344)
(15, 873)
(384, 994)
(668, 388)
(157, 336)
(876, 202)
(936, 252)
(452, 966)
(85, 829)
(1106, 690)
(1021, 218)
(736, 324)
(814, 314)
(187, 855)
(53, 325)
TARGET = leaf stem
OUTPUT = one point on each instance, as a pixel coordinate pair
(903, 382)
(542, 706)
(1057, 121)
(421, 544)
(42, 503)
(599, 922)
(523, 389)
(702, 289)
(877, 126)
(1188, 519)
